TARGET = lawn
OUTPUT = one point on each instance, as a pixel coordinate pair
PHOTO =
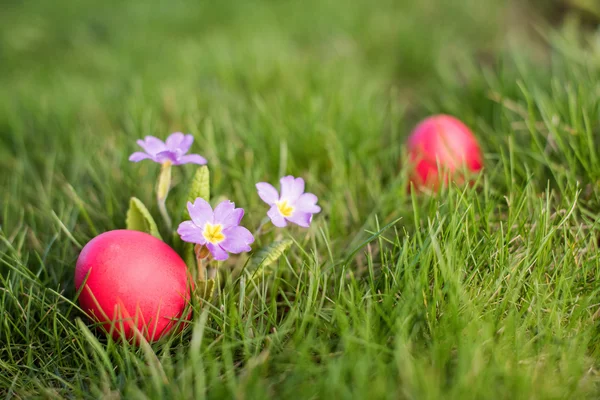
(480, 292)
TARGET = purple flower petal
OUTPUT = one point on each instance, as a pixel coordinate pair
(267, 193)
(222, 210)
(138, 156)
(174, 140)
(165, 156)
(186, 143)
(190, 232)
(276, 218)
(300, 218)
(224, 219)
(177, 144)
(227, 215)
(307, 202)
(237, 240)
(234, 218)
(152, 145)
(201, 212)
(191, 159)
(217, 252)
(291, 188)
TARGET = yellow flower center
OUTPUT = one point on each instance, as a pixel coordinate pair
(213, 233)
(285, 209)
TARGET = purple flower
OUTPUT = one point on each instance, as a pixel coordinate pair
(292, 206)
(172, 150)
(218, 230)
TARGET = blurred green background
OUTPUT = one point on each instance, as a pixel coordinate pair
(328, 90)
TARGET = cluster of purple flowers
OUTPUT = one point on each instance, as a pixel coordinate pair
(219, 229)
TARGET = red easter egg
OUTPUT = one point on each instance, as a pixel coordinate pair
(132, 279)
(445, 141)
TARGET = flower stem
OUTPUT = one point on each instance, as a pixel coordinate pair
(201, 255)
(261, 226)
(212, 273)
(201, 270)
(165, 214)
(162, 191)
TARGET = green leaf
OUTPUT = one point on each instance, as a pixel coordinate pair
(204, 289)
(139, 218)
(200, 187)
(269, 254)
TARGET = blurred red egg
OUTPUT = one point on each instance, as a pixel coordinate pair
(132, 279)
(443, 141)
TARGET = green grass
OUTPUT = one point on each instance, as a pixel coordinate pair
(483, 292)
